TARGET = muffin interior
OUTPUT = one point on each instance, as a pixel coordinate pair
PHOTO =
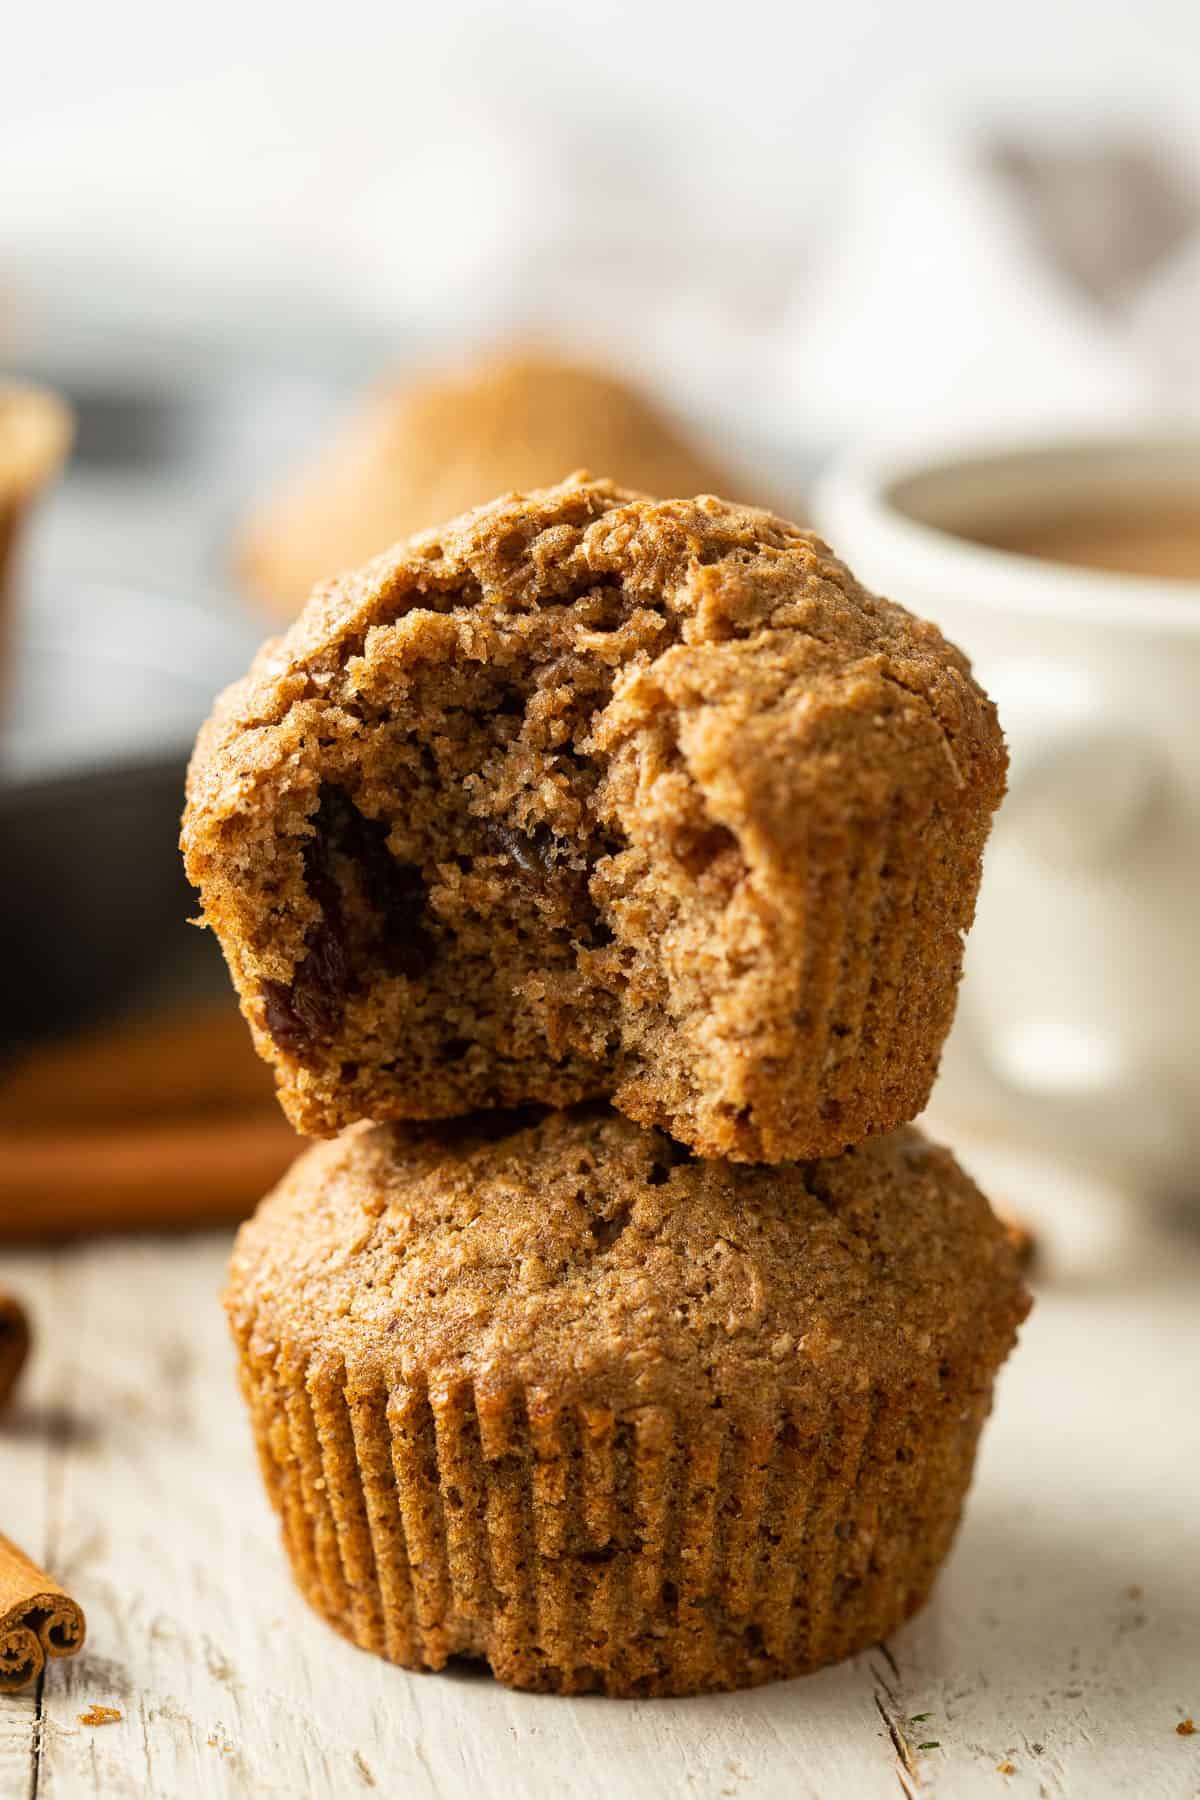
(471, 900)
(591, 795)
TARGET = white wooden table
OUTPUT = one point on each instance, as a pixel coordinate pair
(1063, 1640)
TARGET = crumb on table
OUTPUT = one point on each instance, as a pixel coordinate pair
(1186, 1728)
(101, 1715)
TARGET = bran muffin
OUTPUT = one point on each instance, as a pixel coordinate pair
(550, 1393)
(417, 453)
(589, 795)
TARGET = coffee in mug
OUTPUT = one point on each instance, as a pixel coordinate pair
(1160, 539)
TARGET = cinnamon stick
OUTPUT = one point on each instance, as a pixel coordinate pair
(14, 1344)
(181, 1172)
(37, 1619)
(191, 1060)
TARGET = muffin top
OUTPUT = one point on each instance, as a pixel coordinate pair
(593, 1259)
(729, 627)
(417, 453)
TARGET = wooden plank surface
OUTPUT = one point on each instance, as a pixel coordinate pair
(1063, 1640)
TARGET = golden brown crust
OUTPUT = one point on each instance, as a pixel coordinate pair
(417, 453)
(553, 1395)
(686, 816)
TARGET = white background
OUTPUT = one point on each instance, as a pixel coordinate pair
(398, 152)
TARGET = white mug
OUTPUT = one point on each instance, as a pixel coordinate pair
(1079, 1020)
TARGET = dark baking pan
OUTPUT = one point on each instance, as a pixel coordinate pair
(94, 905)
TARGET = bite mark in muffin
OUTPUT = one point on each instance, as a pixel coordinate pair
(589, 794)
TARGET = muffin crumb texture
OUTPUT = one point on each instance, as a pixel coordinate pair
(591, 795)
(549, 1392)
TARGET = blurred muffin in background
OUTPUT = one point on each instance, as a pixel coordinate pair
(416, 454)
(35, 435)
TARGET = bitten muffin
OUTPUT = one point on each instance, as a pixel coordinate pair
(588, 796)
(417, 453)
(554, 1395)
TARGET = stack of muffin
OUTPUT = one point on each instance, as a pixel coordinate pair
(594, 872)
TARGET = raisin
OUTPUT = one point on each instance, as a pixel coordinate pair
(327, 832)
(322, 981)
(308, 1010)
(394, 891)
(539, 860)
(534, 853)
(406, 945)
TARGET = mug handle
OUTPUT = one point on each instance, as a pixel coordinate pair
(1084, 783)
(1135, 1125)
(1069, 743)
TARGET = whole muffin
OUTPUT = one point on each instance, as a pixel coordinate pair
(590, 795)
(554, 1395)
(419, 452)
